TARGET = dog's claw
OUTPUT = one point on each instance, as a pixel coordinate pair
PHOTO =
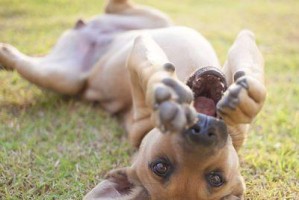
(190, 114)
(162, 128)
(243, 83)
(238, 75)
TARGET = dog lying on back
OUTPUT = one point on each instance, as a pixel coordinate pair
(187, 116)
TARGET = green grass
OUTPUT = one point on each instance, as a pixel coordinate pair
(53, 147)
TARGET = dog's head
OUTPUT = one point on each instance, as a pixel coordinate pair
(197, 163)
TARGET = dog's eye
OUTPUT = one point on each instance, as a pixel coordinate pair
(161, 167)
(215, 179)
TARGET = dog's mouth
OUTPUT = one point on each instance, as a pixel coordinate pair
(208, 85)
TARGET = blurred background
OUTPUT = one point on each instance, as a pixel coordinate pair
(59, 147)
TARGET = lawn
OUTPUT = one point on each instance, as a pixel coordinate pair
(56, 147)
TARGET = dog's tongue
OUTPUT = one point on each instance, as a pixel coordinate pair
(208, 85)
(205, 106)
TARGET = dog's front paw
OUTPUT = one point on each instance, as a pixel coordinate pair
(171, 105)
(242, 101)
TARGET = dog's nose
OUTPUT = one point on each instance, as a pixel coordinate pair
(207, 131)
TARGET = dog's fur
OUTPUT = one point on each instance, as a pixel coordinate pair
(122, 59)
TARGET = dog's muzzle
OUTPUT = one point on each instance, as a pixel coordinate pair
(207, 131)
(208, 85)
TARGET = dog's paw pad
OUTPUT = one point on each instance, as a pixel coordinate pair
(182, 92)
(174, 117)
(172, 105)
(168, 111)
(162, 94)
(169, 67)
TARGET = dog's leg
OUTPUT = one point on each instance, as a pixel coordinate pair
(140, 17)
(55, 71)
(246, 94)
(159, 98)
(116, 6)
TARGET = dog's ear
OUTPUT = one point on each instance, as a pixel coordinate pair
(233, 197)
(238, 190)
(120, 184)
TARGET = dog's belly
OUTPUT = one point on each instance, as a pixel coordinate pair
(81, 47)
(109, 80)
(86, 43)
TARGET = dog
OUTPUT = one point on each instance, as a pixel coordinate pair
(187, 116)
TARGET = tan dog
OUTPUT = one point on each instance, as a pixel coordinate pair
(134, 62)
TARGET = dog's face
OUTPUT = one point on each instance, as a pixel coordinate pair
(195, 164)
(198, 163)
